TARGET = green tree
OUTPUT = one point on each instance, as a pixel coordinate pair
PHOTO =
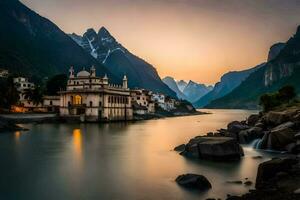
(269, 101)
(56, 84)
(35, 95)
(8, 93)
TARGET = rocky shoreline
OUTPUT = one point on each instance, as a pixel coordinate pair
(279, 130)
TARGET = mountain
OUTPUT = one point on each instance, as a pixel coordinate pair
(279, 71)
(106, 49)
(275, 50)
(193, 91)
(181, 85)
(228, 82)
(171, 83)
(33, 46)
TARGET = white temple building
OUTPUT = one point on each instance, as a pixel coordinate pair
(92, 98)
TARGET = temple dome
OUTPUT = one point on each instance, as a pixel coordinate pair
(83, 73)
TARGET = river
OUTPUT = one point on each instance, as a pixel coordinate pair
(118, 160)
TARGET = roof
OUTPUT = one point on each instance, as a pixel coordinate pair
(83, 73)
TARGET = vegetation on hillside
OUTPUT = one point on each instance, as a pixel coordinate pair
(284, 95)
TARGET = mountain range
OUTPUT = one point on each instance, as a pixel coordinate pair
(281, 69)
(190, 91)
(228, 82)
(106, 49)
(33, 46)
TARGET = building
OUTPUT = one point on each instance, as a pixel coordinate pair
(51, 103)
(141, 101)
(92, 98)
(159, 99)
(23, 85)
(169, 104)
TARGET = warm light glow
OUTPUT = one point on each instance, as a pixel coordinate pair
(77, 142)
(77, 100)
(186, 39)
(18, 109)
(17, 135)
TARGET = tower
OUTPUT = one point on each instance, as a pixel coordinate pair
(125, 82)
(93, 71)
(105, 79)
(71, 70)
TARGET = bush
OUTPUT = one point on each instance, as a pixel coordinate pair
(284, 95)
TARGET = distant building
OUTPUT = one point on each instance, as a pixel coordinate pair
(93, 99)
(159, 99)
(51, 103)
(23, 85)
(141, 101)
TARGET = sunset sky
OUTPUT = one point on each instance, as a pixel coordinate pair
(186, 39)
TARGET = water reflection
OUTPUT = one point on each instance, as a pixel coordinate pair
(118, 160)
(77, 146)
(17, 136)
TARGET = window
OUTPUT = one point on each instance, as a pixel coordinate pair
(100, 103)
(91, 104)
(77, 100)
(51, 103)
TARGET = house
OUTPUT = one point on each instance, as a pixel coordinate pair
(92, 98)
(23, 85)
(142, 98)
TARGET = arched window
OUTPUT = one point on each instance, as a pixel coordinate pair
(91, 104)
(51, 103)
(100, 103)
(77, 100)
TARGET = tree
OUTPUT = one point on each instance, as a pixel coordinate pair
(286, 93)
(56, 83)
(35, 95)
(8, 93)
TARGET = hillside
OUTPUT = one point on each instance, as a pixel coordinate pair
(228, 82)
(106, 49)
(280, 71)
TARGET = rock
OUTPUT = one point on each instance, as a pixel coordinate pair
(214, 148)
(236, 127)
(279, 137)
(290, 147)
(297, 136)
(268, 170)
(297, 191)
(252, 119)
(248, 135)
(259, 124)
(235, 182)
(275, 118)
(210, 134)
(180, 147)
(248, 183)
(257, 157)
(7, 126)
(193, 181)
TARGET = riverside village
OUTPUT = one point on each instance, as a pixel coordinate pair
(88, 98)
(120, 100)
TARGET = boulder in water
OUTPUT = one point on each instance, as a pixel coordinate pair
(268, 170)
(180, 147)
(236, 127)
(252, 119)
(248, 135)
(193, 181)
(214, 148)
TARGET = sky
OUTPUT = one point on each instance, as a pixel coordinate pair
(187, 39)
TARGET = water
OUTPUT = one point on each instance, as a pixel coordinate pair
(117, 161)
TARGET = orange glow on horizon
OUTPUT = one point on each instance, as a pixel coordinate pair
(199, 40)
